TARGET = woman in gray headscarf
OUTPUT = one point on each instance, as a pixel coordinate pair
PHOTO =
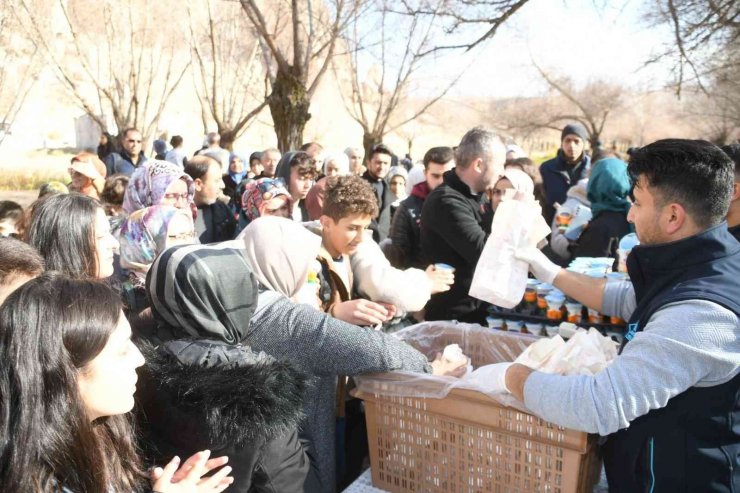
(208, 289)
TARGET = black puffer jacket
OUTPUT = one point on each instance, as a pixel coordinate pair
(206, 394)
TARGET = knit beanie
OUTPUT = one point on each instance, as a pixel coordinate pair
(574, 129)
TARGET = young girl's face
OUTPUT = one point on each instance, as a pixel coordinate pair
(108, 382)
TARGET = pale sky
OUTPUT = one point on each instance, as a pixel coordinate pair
(573, 37)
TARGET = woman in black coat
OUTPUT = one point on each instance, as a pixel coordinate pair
(202, 389)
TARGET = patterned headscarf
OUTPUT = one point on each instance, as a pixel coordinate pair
(258, 193)
(149, 183)
(144, 236)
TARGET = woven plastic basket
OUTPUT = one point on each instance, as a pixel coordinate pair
(467, 442)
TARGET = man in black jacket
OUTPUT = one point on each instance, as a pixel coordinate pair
(377, 169)
(452, 226)
(214, 222)
(405, 231)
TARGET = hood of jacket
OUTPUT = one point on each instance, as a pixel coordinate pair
(236, 394)
(421, 190)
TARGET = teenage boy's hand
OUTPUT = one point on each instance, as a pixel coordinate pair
(361, 312)
(442, 279)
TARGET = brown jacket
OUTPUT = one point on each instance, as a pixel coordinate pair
(339, 293)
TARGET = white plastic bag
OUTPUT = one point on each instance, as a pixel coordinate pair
(500, 278)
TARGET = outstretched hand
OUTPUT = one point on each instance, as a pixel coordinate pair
(442, 279)
(363, 312)
(539, 265)
(188, 477)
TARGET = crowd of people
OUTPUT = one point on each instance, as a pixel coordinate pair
(215, 306)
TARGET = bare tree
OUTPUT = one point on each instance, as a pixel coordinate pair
(299, 58)
(703, 31)
(471, 21)
(395, 48)
(591, 105)
(228, 71)
(715, 113)
(19, 71)
(112, 57)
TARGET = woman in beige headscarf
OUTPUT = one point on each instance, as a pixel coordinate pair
(282, 254)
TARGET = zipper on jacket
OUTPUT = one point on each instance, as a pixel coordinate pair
(652, 471)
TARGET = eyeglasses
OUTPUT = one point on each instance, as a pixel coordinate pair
(182, 236)
(176, 197)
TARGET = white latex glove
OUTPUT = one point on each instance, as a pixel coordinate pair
(539, 264)
(491, 377)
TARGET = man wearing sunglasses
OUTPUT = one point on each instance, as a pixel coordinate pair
(130, 157)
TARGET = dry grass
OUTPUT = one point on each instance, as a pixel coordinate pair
(30, 171)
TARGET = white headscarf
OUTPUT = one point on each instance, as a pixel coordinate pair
(519, 180)
(341, 159)
(416, 176)
(280, 252)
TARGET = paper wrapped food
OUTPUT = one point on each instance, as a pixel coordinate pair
(585, 353)
(454, 354)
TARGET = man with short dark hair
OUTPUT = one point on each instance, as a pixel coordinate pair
(131, 155)
(405, 229)
(669, 404)
(733, 215)
(316, 152)
(564, 170)
(176, 155)
(19, 263)
(453, 229)
(214, 222)
(378, 165)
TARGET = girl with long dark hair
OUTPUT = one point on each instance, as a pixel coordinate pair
(67, 380)
(73, 235)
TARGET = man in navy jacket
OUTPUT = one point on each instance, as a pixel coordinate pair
(564, 170)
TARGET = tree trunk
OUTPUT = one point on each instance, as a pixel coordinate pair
(368, 141)
(228, 136)
(289, 106)
(594, 141)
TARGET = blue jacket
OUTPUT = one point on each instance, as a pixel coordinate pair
(558, 177)
(693, 443)
(116, 162)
